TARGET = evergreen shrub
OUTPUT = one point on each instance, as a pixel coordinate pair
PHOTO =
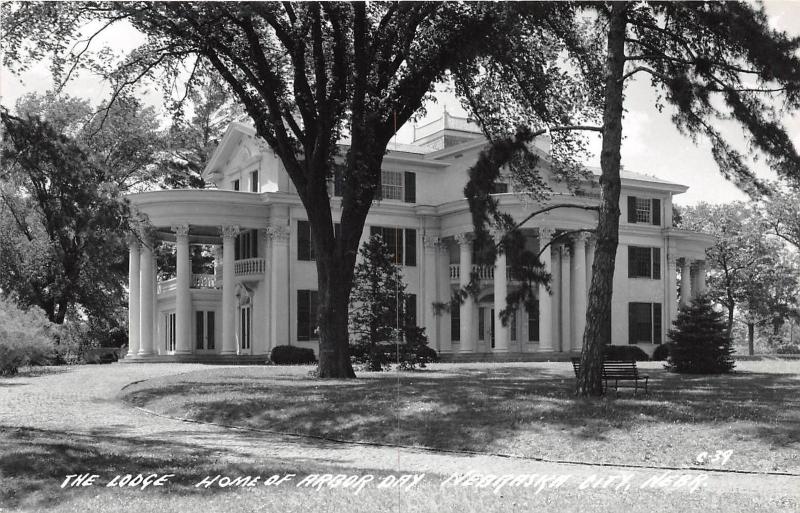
(292, 355)
(700, 341)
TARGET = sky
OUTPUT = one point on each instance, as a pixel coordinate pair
(651, 143)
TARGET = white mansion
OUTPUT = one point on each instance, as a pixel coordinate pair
(262, 293)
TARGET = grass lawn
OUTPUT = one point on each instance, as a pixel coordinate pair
(525, 409)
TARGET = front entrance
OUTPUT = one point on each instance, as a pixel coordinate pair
(205, 322)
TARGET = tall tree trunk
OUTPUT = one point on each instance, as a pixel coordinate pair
(598, 315)
(750, 336)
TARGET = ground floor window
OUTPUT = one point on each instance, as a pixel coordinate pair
(455, 323)
(204, 330)
(306, 314)
(533, 322)
(169, 331)
(644, 323)
(245, 327)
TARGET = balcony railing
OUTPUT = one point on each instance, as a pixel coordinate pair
(199, 281)
(249, 266)
(484, 272)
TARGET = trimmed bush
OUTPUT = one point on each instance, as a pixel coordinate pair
(292, 355)
(26, 337)
(661, 353)
(427, 355)
(701, 344)
(788, 349)
(626, 353)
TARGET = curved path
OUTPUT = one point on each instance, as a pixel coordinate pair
(84, 401)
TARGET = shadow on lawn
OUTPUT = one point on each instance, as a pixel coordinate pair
(35, 463)
(511, 409)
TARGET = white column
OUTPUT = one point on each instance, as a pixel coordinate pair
(467, 308)
(566, 307)
(428, 289)
(686, 282)
(591, 245)
(279, 280)
(445, 293)
(670, 285)
(146, 299)
(701, 277)
(183, 293)
(228, 288)
(133, 296)
(545, 300)
(579, 292)
(501, 333)
(266, 307)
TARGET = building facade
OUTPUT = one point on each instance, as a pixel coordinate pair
(262, 292)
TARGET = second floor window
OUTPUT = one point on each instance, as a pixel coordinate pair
(644, 262)
(399, 185)
(246, 245)
(644, 210)
(402, 242)
(254, 181)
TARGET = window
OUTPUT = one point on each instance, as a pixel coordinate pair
(401, 242)
(305, 249)
(644, 262)
(481, 322)
(513, 325)
(533, 322)
(644, 210)
(254, 181)
(455, 323)
(169, 331)
(246, 245)
(245, 327)
(204, 330)
(499, 188)
(644, 323)
(398, 185)
(306, 314)
(236, 185)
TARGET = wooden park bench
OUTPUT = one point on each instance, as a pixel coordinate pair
(616, 371)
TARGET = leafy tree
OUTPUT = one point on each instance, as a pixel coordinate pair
(124, 137)
(61, 223)
(306, 73)
(700, 341)
(378, 300)
(708, 61)
(782, 213)
(193, 141)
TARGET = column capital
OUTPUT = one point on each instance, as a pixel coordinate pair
(545, 233)
(431, 242)
(464, 238)
(565, 250)
(133, 240)
(229, 231)
(181, 231)
(581, 238)
(278, 233)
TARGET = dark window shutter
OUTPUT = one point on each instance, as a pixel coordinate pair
(656, 323)
(410, 187)
(632, 263)
(304, 250)
(533, 322)
(312, 314)
(656, 212)
(236, 248)
(632, 209)
(338, 181)
(411, 247)
(255, 244)
(302, 314)
(411, 310)
(656, 263)
(210, 328)
(631, 323)
(455, 323)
